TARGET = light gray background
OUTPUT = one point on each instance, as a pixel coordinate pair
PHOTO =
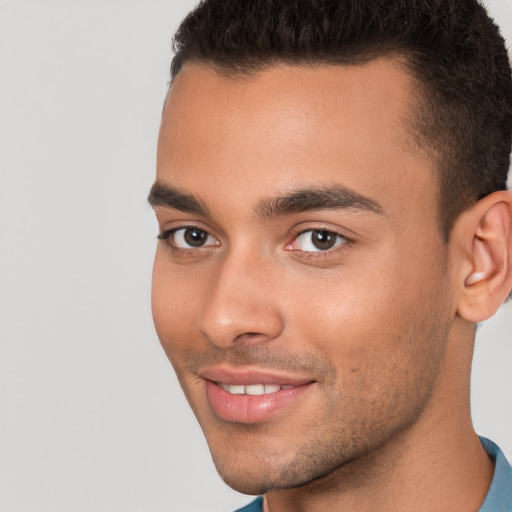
(91, 416)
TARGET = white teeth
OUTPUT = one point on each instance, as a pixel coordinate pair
(237, 390)
(252, 389)
(255, 389)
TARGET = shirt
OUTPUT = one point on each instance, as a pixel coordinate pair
(499, 497)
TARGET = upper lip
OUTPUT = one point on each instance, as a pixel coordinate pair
(248, 376)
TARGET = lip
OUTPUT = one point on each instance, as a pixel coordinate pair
(252, 408)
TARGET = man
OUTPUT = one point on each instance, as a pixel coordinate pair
(334, 222)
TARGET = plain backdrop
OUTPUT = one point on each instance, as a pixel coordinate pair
(91, 416)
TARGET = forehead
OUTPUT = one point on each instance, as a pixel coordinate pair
(290, 126)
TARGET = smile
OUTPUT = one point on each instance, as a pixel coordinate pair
(253, 389)
(251, 395)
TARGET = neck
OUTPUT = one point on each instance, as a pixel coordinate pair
(439, 474)
(437, 464)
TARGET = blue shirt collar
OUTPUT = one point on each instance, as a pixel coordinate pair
(499, 497)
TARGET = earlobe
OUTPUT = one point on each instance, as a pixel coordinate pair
(487, 278)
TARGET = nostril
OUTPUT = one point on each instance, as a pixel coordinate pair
(254, 337)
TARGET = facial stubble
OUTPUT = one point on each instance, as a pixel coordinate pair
(339, 444)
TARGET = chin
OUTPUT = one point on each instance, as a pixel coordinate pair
(257, 473)
(248, 481)
(241, 483)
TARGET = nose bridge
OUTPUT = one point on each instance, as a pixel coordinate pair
(241, 303)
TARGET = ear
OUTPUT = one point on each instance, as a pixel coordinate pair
(484, 243)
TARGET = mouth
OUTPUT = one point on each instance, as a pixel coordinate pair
(250, 396)
(253, 389)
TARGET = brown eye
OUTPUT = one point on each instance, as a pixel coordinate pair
(188, 238)
(195, 237)
(323, 240)
(317, 240)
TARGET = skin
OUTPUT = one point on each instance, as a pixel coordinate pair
(373, 323)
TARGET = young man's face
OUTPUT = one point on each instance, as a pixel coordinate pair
(301, 290)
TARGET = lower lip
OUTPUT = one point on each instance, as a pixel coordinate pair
(252, 408)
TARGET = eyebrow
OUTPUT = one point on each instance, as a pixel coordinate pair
(317, 198)
(297, 201)
(164, 195)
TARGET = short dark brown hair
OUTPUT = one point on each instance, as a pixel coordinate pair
(453, 48)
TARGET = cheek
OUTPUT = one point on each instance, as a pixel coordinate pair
(173, 303)
(376, 327)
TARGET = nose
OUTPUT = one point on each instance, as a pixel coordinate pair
(242, 304)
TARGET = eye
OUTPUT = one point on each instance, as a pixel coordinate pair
(188, 238)
(316, 240)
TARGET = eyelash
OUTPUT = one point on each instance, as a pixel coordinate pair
(340, 242)
(169, 234)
